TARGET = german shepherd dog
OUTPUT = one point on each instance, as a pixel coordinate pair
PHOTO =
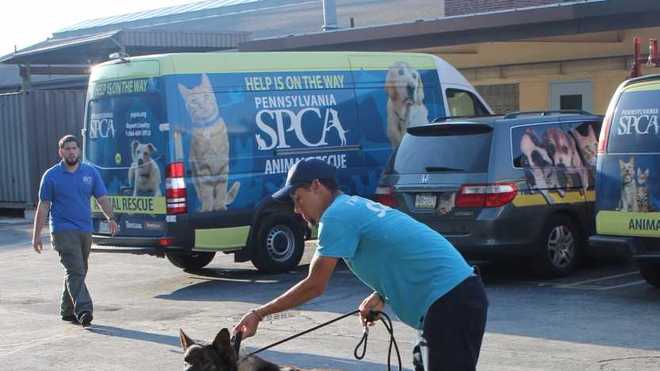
(221, 356)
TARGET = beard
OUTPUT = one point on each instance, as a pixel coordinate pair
(71, 162)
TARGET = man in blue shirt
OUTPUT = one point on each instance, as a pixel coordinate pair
(65, 193)
(415, 270)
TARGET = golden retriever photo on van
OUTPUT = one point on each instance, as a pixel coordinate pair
(405, 101)
(209, 147)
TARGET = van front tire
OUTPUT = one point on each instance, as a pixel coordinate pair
(651, 273)
(279, 245)
(559, 247)
(191, 261)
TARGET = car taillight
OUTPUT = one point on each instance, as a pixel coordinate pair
(166, 241)
(486, 195)
(175, 189)
(385, 196)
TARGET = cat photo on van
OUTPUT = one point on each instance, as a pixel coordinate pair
(405, 101)
(643, 190)
(628, 201)
(209, 147)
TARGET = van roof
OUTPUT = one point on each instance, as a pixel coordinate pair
(224, 62)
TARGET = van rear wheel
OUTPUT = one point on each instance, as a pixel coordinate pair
(560, 248)
(279, 245)
(191, 261)
(651, 273)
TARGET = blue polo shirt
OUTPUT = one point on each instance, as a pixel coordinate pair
(69, 194)
(407, 262)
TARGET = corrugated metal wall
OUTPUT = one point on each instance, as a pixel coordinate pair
(14, 151)
(36, 120)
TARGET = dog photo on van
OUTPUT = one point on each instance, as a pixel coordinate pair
(539, 167)
(144, 173)
(565, 156)
(405, 101)
(587, 144)
(209, 147)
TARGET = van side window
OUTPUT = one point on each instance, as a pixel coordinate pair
(464, 103)
(538, 145)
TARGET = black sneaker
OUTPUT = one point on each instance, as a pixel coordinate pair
(70, 318)
(85, 319)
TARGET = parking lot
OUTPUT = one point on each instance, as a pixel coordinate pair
(602, 318)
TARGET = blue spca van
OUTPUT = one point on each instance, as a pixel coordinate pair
(189, 144)
(628, 171)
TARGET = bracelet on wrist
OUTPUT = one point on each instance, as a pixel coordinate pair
(259, 317)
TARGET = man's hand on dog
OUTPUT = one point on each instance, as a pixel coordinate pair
(371, 303)
(248, 325)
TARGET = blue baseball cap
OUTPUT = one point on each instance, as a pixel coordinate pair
(304, 172)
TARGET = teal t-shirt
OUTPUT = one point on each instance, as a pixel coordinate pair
(407, 262)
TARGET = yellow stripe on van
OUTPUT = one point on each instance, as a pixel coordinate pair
(194, 63)
(537, 199)
(134, 205)
(628, 223)
(643, 86)
(219, 239)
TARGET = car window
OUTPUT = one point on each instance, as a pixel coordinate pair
(635, 126)
(447, 151)
(555, 144)
(464, 103)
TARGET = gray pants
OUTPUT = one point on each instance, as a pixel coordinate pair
(74, 247)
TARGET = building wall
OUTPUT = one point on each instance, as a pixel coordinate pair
(603, 59)
(460, 7)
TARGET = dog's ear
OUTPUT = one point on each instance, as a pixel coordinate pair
(419, 94)
(390, 82)
(222, 345)
(185, 340)
(152, 148)
(134, 145)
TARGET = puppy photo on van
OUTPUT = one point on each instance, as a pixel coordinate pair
(540, 170)
(563, 150)
(587, 144)
(405, 101)
(209, 147)
(144, 173)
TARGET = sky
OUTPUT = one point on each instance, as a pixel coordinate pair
(24, 23)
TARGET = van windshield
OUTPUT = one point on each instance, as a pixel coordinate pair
(636, 123)
(444, 152)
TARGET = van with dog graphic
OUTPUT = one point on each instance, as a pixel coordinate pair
(190, 144)
(628, 176)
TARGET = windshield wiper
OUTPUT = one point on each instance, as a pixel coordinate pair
(441, 169)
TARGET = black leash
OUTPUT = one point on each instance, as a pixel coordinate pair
(236, 340)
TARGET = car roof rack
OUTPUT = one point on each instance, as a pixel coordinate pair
(440, 119)
(514, 115)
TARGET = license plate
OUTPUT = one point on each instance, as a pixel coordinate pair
(104, 227)
(425, 201)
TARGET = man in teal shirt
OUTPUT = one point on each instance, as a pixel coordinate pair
(415, 270)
